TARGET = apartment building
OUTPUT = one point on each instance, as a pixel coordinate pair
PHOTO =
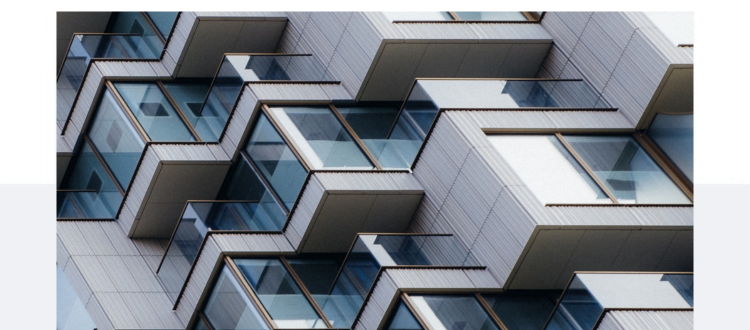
(375, 170)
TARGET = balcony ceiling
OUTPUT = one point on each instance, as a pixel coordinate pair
(398, 63)
(212, 37)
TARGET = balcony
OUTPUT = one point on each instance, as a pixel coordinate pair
(322, 295)
(590, 295)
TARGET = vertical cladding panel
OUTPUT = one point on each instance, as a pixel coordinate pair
(555, 62)
(354, 55)
(149, 246)
(383, 26)
(306, 205)
(436, 177)
(465, 122)
(424, 216)
(601, 45)
(178, 40)
(138, 304)
(117, 310)
(340, 70)
(321, 46)
(647, 320)
(575, 21)
(336, 92)
(616, 26)
(95, 236)
(583, 119)
(481, 279)
(430, 278)
(564, 37)
(143, 275)
(618, 97)
(119, 239)
(365, 35)
(374, 308)
(142, 179)
(97, 314)
(62, 254)
(163, 307)
(592, 216)
(119, 273)
(77, 281)
(596, 73)
(140, 69)
(663, 216)
(71, 237)
(465, 225)
(436, 31)
(125, 219)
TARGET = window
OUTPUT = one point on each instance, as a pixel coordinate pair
(472, 16)
(585, 169)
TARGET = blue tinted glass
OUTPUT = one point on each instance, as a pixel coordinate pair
(674, 135)
(229, 307)
(154, 112)
(114, 136)
(164, 20)
(225, 89)
(90, 192)
(627, 170)
(279, 293)
(523, 310)
(276, 161)
(453, 312)
(683, 283)
(578, 309)
(321, 137)
(491, 16)
(403, 319)
(189, 98)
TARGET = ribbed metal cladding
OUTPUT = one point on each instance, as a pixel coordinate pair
(374, 308)
(110, 274)
(647, 320)
(623, 56)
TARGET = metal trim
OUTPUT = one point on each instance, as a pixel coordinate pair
(586, 168)
(305, 292)
(355, 137)
(179, 111)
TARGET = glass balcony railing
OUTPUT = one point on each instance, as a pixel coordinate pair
(201, 217)
(371, 252)
(458, 16)
(589, 294)
(132, 37)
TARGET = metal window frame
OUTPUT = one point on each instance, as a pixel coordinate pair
(406, 295)
(605, 310)
(531, 18)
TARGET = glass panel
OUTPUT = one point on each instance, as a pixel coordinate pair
(403, 319)
(225, 89)
(135, 23)
(83, 48)
(259, 213)
(97, 196)
(229, 307)
(453, 312)
(418, 16)
(577, 310)
(164, 20)
(627, 171)
(114, 136)
(645, 291)
(154, 112)
(316, 274)
(548, 169)
(279, 67)
(276, 161)
(674, 135)
(199, 325)
(189, 98)
(321, 137)
(523, 311)
(279, 294)
(490, 15)
(71, 311)
(683, 284)
(373, 124)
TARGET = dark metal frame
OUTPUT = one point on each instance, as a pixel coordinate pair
(531, 18)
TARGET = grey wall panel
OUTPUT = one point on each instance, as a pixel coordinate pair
(163, 308)
(119, 239)
(252, 243)
(679, 253)
(179, 38)
(149, 246)
(118, 272)
(97, 314)
(464, 225)
(375, 306)
(643, 250)
(597, 73)
(143, 275)
(238, 123)
(77, 281)
(368, 181)
(335, 92)
(647, 320)
(430, 279)
(593, 216)
(138, 305)
(198, 279)
(94, 273)
(589, 120)
(126, 219)
(62, 254)
(596, 250)
(309, 200)
(117, 310)
(655, 216)
(481, 279)
(97, 239)
(307, 92)
(71, 237)
(140, 69)
(550, 252)
(425, 216)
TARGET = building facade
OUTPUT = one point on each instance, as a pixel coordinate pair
(376, 170)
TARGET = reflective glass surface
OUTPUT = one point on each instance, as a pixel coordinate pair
(403, 319)
(258, 212)
(683, 284)
(626, 170)
(278, 67)
(523, 310)
(118, 142)
(674, 135)
(225, 89)
(154, 112)
(548, 169)
(199, 325)
(90, 192)
(279, 293)
(373, 125)
(71, 311)
(418, 16)
(164, 20)
(189, 97)
(276, 161)
(321, 138)
(229, 307)
(453, 312)
(577, 310)
(490, 15)
(135, 23)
